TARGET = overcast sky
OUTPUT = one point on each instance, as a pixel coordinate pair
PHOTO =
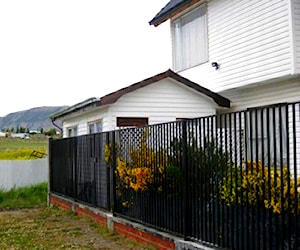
(61, 52)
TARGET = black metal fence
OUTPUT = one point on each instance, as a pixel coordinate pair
(229, 180)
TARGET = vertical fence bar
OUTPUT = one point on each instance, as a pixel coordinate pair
(295, 172)
(256, 232)
(112, 171)
(262, 126)
(276, 243)
(282, 181)
(247, 120)
(295, 141)
(50, 169)
(214, 180)
(236, 234)
(233, 209)
(241, 142)
(222, 212)
(287, 134)
(220, 181)
(270, 218)
(186, 180)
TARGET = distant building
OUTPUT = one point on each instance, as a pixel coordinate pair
(20, 135)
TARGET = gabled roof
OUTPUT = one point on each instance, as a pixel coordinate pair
(172, 8)
(115, 96)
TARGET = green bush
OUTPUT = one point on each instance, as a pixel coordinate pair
(206, 167)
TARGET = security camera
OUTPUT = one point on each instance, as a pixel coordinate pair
(215, 65)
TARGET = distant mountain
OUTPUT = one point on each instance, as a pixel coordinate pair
(33, 119)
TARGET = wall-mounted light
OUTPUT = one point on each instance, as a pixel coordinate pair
(215, 65)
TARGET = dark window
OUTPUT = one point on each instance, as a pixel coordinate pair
(132, 121)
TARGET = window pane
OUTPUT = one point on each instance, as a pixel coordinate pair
(91, 128)
(99, 127)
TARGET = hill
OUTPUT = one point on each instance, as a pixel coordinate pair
(33, 119)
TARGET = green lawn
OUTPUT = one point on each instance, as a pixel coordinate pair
(13, 144)
(36, 226)
(16, 148)
(24, 197)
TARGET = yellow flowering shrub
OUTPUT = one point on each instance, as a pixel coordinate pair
(144, 170)
(257, 185)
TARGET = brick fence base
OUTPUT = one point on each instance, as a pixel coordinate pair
(135, 231)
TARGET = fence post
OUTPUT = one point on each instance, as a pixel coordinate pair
(112, 179)
(186, 217)
(50, 176)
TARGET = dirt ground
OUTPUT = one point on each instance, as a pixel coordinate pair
(51, 228)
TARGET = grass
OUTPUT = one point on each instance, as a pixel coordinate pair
(21, 149)
(51, 228)
(37, 226)
(26, 197)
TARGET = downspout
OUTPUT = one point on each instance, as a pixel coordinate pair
(55, 125)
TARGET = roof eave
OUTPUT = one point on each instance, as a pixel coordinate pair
(156, 21)
(159, 19)
(94, 102)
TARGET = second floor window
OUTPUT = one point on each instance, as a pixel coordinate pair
(95, 127)
(190, 41)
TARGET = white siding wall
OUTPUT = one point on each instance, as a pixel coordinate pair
(296, 18)
(249, 39)
(82, 120)
(279, 92)
(162, 101)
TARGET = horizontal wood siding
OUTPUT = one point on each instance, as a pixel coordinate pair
(279, 92)
(162, 101)
(249, 39)
(296, 18)
(82, 120)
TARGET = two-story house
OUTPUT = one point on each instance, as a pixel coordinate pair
(247, 51)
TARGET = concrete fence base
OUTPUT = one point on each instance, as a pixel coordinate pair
(136, 231)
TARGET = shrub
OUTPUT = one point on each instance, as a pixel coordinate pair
(144, 170)
(207, 165)
(256, 185)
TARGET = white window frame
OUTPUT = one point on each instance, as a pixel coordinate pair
(72, 131)
(190, 39)
(96, 125)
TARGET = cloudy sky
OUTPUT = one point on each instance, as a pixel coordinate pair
(61, 52)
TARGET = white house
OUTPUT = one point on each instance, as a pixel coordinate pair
(161, 98)
(247, 51)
